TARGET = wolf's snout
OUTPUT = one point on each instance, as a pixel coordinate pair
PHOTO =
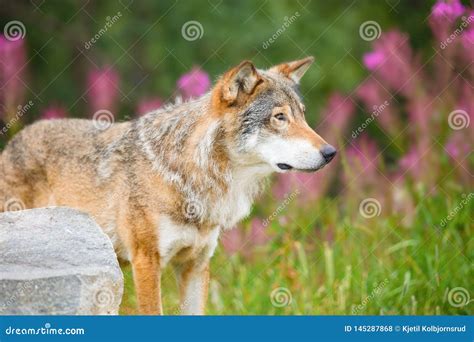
(328, 152)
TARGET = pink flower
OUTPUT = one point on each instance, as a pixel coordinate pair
(392, 61)
(417, 164)
(283, 185)
(448, 10)
(12, 64)
(258, 232)
(467, 42)
(54, 112)
(466, 103)
(372, 93)
(149, 105)
(442, 16)
(362, 158)
(420, 163)
(361, 175)
(336, 116)
(305, 185)
(237, 240)
(379, 105)
(194, 84)
(410, 162)
(458, 147)
(373, 60)
(420, 110)
(233, 240)
(468, 35)
(103, 88)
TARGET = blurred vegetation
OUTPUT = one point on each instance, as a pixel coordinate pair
(147, 48)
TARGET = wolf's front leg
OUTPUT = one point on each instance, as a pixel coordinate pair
(147, 279)
(193, 281)
(139, 234)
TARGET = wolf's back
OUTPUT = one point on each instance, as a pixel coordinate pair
(20, 164)
(46, 150)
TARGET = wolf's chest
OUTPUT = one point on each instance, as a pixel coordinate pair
(237, 202)
(184, 242)
(231, 208)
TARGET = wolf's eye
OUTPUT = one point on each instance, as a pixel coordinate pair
(280, 117)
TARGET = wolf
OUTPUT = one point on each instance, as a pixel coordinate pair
(164, 186)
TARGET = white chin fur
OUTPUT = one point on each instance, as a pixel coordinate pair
(300, 154)
(277, 169)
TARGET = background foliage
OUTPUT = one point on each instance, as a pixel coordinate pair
(146, 46)
(312, 244)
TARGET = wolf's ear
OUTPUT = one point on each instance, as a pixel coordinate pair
(294, 70)
(240, 80)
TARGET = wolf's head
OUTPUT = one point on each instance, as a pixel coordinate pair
(265, 115)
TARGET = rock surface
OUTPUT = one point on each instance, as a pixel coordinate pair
(56, 261)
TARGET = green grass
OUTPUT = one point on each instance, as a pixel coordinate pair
(335, 262)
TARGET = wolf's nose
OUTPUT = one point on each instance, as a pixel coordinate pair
(328, 152)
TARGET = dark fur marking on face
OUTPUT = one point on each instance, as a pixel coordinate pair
(290, 90)
(255, 116)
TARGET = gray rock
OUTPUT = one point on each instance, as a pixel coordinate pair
(56, 261)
